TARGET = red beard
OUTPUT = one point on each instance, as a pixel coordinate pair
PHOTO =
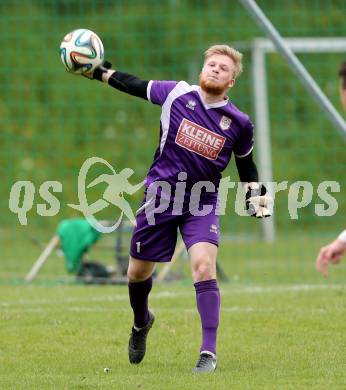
(211, 87)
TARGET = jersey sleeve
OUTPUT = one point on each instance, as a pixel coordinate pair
(245, 142)
(342, 236)
(157, 91)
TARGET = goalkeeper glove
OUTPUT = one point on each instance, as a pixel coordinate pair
(257, 200)
(98, 72)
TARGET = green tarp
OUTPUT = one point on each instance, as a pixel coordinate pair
(76, 237)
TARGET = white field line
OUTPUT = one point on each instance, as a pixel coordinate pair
(79, 309)
(171, 294)
(17, 275)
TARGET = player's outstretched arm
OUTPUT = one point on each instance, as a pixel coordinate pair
(257, 201)
(331, 254)
(122, 81)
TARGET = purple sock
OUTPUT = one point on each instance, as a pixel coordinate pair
(208, 304)
(138, 293)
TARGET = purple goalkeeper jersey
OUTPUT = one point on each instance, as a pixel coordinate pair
(195, 137)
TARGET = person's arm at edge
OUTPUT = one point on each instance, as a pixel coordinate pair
(331, 253)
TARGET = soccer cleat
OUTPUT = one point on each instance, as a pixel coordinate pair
(138, 340)
(207, 362)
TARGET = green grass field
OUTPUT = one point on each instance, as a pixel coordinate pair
(282, 325)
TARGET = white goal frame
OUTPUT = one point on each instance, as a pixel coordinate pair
(260, 47)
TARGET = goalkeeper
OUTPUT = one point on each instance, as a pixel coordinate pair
(200, 128)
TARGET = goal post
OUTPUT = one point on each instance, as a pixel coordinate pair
(283, 47)
(260, 48)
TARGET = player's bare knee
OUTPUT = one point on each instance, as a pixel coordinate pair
(204, 269)
(137, 275)
(138, 271)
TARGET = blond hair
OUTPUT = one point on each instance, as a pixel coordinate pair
(228, 51)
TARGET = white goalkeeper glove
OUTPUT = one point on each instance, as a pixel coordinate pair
(98, 72)
(257, 201)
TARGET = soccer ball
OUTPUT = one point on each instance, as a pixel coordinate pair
(81, 51)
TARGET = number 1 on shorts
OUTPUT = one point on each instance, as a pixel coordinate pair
(138, 243)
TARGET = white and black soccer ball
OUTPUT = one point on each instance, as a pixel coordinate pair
(81, 51)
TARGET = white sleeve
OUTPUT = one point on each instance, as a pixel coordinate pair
(149, 89)
(342, 236)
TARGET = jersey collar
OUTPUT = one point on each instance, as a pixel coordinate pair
(207, 106)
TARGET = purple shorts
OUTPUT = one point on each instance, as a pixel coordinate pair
(157, 242)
